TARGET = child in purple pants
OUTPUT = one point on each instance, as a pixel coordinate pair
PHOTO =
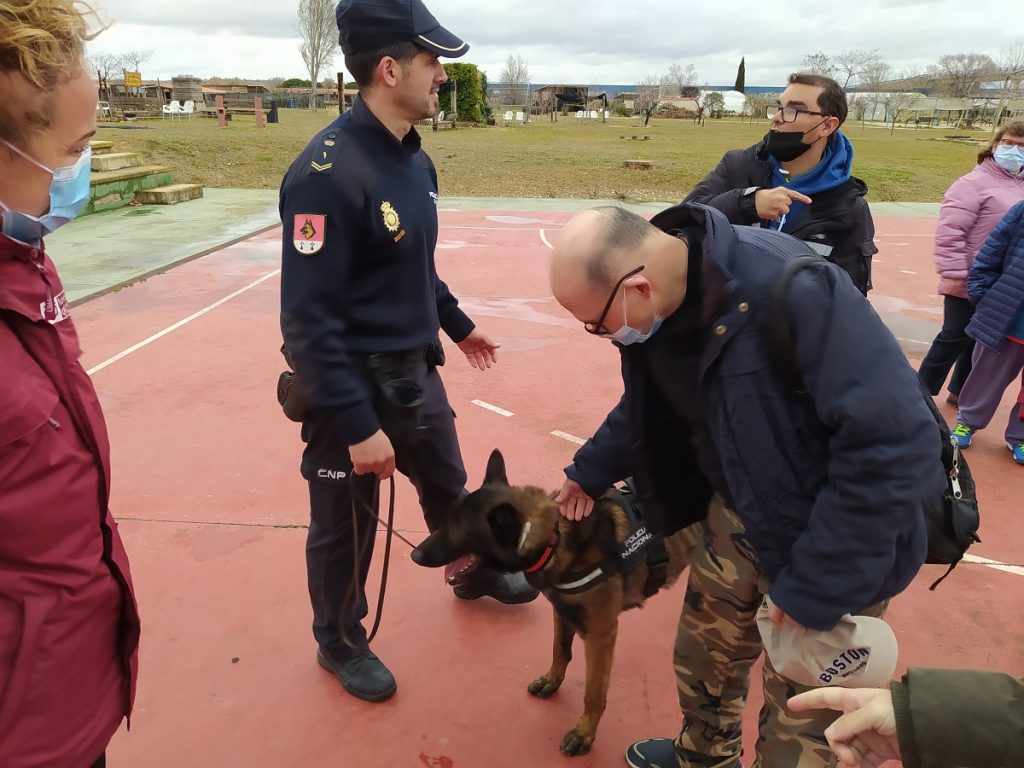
(996, 286)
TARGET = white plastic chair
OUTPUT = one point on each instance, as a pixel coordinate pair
(508, 118)
(165, 110)
(593, 115)
(188, 109)
(519, 117)
(579, 114)
(440, 117)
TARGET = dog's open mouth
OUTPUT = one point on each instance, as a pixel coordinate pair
(461, 568)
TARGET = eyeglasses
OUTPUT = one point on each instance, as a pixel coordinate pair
(790, 114)
(1010, 143)
(598, 328)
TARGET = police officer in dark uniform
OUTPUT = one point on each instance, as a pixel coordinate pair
(361, 309)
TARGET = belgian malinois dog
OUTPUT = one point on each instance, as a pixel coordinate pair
(577, 565)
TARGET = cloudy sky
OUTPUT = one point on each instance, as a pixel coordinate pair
(580, 41)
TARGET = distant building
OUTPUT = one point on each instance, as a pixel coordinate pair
(560, 98)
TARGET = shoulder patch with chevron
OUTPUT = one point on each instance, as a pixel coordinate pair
(323, 158)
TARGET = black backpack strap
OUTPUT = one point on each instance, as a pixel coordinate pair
(780, 335)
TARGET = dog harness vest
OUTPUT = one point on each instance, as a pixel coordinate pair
(639, 546)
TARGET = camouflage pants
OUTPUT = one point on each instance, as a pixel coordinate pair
(717, 644)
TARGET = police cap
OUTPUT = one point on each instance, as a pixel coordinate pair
(366, 25)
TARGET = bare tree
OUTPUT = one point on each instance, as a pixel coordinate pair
(683, 78)
(896, 105)
(961, 74)
(681, 82)
(1011, 68)
(818, 64)
(703, 100)
(319, 32)
(858, 106)
(756, 104)
(103, 65)
(874, 77)
(515, 76)
(134, 59)
(647, 97)
(850, 66)
(714, 103)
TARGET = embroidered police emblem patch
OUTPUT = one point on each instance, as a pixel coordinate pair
(308, 234)
(391, 220)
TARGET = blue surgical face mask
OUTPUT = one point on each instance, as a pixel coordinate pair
(69, 193)
(627, 335)
(1010, 158)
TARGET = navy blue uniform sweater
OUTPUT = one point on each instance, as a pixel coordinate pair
(359, 209)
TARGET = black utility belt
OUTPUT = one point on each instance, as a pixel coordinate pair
(397, 379)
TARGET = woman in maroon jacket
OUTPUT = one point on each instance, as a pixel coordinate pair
(69, 627)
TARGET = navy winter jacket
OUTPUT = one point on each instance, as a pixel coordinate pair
(830, 487)
(996, 281)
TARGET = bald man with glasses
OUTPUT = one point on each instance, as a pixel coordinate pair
(798, 179)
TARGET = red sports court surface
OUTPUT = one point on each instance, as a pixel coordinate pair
(213, 511)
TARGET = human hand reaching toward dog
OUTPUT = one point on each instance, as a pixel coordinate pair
(479, 350)
(572, 502)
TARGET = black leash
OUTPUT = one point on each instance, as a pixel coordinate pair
(355, 588)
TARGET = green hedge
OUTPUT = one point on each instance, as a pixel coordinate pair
(470, 93)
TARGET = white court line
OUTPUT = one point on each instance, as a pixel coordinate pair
(494, 408)
(179, 324)
(1017, 570)
(570, 438)
(544, 239)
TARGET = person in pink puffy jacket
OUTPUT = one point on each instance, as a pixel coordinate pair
(971, 208)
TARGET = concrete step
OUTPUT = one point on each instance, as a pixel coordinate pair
(169, 195)
(115, 189)
(123, 174)
(115, 161)
(101, 147)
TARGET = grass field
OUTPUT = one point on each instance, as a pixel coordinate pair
(564, 159)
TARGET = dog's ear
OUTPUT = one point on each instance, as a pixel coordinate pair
(506, 524)
(495, 474)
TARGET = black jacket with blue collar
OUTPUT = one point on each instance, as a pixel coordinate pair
(830, 487)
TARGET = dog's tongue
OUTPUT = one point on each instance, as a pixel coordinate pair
(458, 570)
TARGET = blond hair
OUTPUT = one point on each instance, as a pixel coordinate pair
(42, 41)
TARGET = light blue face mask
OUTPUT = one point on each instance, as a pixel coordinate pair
(69, 193)
(1010, 158)
(627, 335)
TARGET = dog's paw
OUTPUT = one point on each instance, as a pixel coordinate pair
(576, 743)
(544, 686)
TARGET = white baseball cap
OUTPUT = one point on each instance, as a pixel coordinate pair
(859, 652)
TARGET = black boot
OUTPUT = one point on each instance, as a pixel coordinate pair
(363, 675)
(508, 588)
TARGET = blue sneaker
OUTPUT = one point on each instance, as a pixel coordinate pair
(963, 434)
(1018, 452)
(654, 753)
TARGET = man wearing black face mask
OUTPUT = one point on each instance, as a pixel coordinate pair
(797, 179)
